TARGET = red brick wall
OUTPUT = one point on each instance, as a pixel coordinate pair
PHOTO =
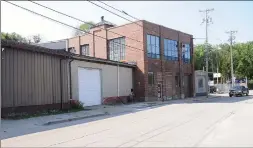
(164, 71)
(169, 69)
(136, 54)
(100, 44)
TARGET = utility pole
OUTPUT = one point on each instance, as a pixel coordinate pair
(231, 40)
(207, 20)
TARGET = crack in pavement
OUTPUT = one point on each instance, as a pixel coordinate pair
(212, 127)
(77, 138)
(201, 112)
(181, 124)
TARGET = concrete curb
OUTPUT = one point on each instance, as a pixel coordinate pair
(204, 99)
(74, 119)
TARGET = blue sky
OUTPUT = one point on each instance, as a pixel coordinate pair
(183, 16)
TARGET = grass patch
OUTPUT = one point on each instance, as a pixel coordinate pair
(24, 115)
(75, 106)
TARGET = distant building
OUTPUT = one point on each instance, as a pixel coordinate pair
(57, 45)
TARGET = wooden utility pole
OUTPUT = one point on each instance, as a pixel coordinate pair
(231, 40)
(207, 20)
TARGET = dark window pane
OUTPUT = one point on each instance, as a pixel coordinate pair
(150, 78)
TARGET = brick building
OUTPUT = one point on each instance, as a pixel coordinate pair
(163, 55)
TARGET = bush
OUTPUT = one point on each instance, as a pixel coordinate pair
(250, 84)
(76, 104)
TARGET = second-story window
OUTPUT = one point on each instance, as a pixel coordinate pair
(153, 46)
(186, 53)
(85, 50)
(117, 49)
(170, 50)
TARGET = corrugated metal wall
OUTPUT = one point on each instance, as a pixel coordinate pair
(32, 78)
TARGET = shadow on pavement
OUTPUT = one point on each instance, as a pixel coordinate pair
(17, 130)
(224, 99)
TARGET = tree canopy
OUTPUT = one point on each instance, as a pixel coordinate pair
(85, 27)
(219, 57)
(18, 38)
(13, 36)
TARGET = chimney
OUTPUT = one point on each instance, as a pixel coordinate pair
(102, 18)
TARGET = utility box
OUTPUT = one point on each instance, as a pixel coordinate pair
(200, 83)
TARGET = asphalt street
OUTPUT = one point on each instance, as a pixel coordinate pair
(223, 122)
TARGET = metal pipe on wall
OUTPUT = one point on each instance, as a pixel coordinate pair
(61, 82)
(118, 79)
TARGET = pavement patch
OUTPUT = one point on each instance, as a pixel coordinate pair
(75, 118)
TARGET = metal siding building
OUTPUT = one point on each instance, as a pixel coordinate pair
(108, 81)
(33, 78)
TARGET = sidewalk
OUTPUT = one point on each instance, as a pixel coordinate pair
(95, 111)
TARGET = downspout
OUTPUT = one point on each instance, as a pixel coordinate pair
(79, 42)
(70, 76)
(161, 58)
(93, 35)
(106, 42)
(61, 83)
(94, 44)
(193, 69)
(180, 65)
(70, 79)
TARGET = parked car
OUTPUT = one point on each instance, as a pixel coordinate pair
(213, 89)
(238, 91)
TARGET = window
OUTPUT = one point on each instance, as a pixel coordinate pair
(153, 46)
(170, 50)
(117, 49)
(150, 78)
(72, 50)
(85, 49)
(186, 53)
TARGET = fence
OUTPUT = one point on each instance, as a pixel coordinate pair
(224, 88)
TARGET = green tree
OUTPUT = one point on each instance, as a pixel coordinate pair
(244, 59)
(199, 57)
(85, 27)
(13, 36)
(18, 38)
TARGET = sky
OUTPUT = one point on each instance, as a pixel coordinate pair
(180, 15)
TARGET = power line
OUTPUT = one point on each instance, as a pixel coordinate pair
(66, 24)
(120, 16)
(113, 12)
(207, 20)
(118, 10)
(125, 14)
(231, 39)
(69, 25)
(80, 20)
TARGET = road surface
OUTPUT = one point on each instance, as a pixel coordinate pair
(217, 122)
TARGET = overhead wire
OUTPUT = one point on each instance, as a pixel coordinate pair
(118, 10)
(121, 16)
(68, 24)
(80, 20)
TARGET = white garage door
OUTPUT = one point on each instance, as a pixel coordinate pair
(89, 86)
